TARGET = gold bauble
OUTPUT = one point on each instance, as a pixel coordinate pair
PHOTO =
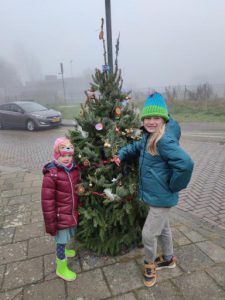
(107, 145)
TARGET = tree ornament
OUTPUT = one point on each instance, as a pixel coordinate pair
(115, 149)
(136, 134)
(86, 163)
(101, 35)
(91, 93)
(105, 68)
(109, 194)
(91, 97)
(90, 184)
(118, 111)
(81, 131)
(79, 155)
(107, 144)
(117, 129)
(129, 130)
(80, 189)
(99, 126)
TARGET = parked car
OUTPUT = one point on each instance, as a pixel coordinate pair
(28, 114)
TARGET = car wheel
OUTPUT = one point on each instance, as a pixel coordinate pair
(30, 125)
(1, 125)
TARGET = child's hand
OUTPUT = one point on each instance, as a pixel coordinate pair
(116, 160)
(86, 163)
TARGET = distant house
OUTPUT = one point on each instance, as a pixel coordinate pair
(48, 91)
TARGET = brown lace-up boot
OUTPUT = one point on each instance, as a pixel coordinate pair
(149, 274)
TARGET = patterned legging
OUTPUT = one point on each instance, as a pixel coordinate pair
(60, 251)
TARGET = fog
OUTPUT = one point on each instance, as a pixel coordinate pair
(161, 42)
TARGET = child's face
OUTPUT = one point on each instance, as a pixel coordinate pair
(66, 151)
(65, 159)
(153, 124)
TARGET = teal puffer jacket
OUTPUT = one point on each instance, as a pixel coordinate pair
(161, 177)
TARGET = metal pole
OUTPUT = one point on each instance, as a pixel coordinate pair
(64, 90)
(109, 33)
(71, 68)
(71, 79)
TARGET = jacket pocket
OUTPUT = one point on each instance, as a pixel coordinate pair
(161, 182)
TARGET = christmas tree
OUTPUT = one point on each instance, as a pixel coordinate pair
(111, 216)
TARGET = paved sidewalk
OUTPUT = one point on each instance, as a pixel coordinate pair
(27, 256)
(68, 123)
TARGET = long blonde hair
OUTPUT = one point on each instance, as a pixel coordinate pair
(153, 140)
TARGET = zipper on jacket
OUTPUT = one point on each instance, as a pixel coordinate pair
(72, 195)
(58, 213)
(141, 165)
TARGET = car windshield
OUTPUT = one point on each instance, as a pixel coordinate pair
(32, 106)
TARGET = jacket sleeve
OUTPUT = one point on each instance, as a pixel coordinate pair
(130, 150)
(48, 195)
(179, 162)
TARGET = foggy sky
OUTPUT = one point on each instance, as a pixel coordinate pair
(162, 42)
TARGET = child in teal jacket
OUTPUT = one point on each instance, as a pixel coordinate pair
(164, 170)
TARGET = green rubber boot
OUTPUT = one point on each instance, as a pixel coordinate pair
(63, 271)
(70, 252)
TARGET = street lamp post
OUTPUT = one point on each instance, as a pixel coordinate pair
(109, 33)
(71, 68)
(64, 90)
(71, 80)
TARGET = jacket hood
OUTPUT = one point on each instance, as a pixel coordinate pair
(47, 167)
(173, 129)
(54, 165)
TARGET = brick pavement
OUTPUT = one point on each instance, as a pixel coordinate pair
(205, 195)
(205, 142)
(28, 150)
(27, 256)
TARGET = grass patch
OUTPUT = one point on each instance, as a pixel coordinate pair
(69, 112)
(196, 111)
(198, 117)
(183, 111)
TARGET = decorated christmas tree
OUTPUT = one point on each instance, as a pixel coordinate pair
(111, 216)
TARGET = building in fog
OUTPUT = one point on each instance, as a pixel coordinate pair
(48, 91)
